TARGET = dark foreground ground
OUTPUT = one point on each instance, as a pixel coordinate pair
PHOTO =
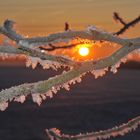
(91, 105)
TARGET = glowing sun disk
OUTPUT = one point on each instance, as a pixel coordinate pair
(83, 50)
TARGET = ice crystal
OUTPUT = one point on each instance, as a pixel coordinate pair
(49, 94)
(5, 56)
(73, 81)
(91, 27)
(117, 65)
(54, 90)
(37, 99)
(3, 106)
(94, 28)
(46, 64)
(77, 79)
(32, 61)
(99, 73)
(43, 96)
(66, 86)
(55, 130)
(20, 99)
(135, 52)
(61, 40)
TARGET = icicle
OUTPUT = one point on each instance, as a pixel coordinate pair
(3, 106)
(20, 99)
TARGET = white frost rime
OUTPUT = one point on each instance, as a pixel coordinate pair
(75, 69)
(20, 99)
(99, 73)
(3, 106)
(46, 64)
(115, 67)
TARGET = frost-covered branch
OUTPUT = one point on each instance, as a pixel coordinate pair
(30, 47)
(27, 46)
(9, 50)
(55, 83)
(7, 30)
(105, 134)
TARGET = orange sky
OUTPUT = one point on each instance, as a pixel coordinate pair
(41, 17)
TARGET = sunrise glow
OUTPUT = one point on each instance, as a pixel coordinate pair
(83, 50)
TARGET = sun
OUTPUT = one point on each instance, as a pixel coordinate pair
(83, 50)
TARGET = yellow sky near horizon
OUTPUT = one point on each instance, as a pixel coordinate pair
(41, 17)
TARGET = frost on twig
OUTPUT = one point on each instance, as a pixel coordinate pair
(101, 135)
(30, 47)
(46, 64)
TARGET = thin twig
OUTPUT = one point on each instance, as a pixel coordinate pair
(53, 47)
(126, 26)
(67, 26)
(118, 18)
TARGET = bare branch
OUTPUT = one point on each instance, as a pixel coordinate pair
(126, 26)
(67, 27)
(53, 47)
(118, 18)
